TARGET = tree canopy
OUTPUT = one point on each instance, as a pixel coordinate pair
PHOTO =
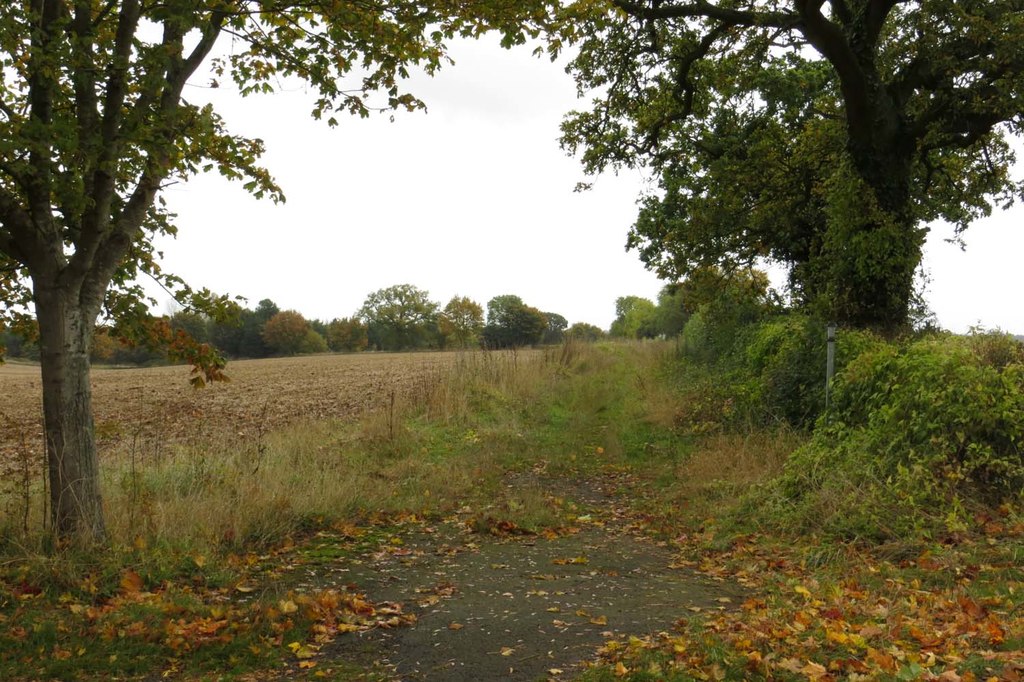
(511, 323)
(821, 135)
(635, 318)
(399, 317)
(461, 321)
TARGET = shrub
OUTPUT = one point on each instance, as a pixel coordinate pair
(917, 436)
(782, 361)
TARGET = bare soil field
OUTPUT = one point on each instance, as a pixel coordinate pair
(158, 404)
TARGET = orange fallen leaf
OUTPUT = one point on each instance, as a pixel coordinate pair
(131, 581)
(599, 620)
(455, 626)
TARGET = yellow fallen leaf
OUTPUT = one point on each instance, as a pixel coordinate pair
(287, 606)
(599, 620)
(304, 651)
(199, 560)
(814, 671)
(621, 670)
(555, 671)
(131, 581)
(507, 651)
(802, 591)
(307, 664)
(246, 589)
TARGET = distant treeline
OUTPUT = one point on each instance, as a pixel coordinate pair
(401, 317)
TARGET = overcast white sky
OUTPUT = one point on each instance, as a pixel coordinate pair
(473, 198)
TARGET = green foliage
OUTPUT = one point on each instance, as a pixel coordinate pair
(584, 331)
(817, 135)
(918, 434)
(720, 305)
(512, 324)
(400, 317)
(781, 364)
(461, 322)
(672, 310)
(635, 318)
(313, 342)
(555, 331)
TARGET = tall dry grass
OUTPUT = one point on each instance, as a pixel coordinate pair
(216, 491)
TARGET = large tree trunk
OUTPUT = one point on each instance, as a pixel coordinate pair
(885, 249)
(65, 331)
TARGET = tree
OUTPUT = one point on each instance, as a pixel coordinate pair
(94, 122)
(511, 323)
(584, 331)
(313, 342)
(819, 134)
(461, 321)
(635, 318)
(672, 310)
(346, 334)
(555, 331)
(722, 303)
(399, 317)
(286, 332)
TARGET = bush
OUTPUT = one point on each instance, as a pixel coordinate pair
(782, 362)
(917, 435)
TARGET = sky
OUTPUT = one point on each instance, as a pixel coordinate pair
(472, 198)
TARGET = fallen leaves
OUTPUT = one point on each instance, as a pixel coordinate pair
(861, 620)
(131, 581)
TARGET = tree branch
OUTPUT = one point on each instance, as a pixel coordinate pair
(83, 74)
(683, 86)
(842, 11)
(828, 39)
(705, 9)
(877, 13)
(18, 239)
(107, 149)
(42, 77)
(104, 260)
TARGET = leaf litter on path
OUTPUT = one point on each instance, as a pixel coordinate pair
(518, 608)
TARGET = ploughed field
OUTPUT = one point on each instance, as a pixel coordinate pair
(150, 408)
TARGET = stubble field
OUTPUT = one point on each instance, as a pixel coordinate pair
(157, 406)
